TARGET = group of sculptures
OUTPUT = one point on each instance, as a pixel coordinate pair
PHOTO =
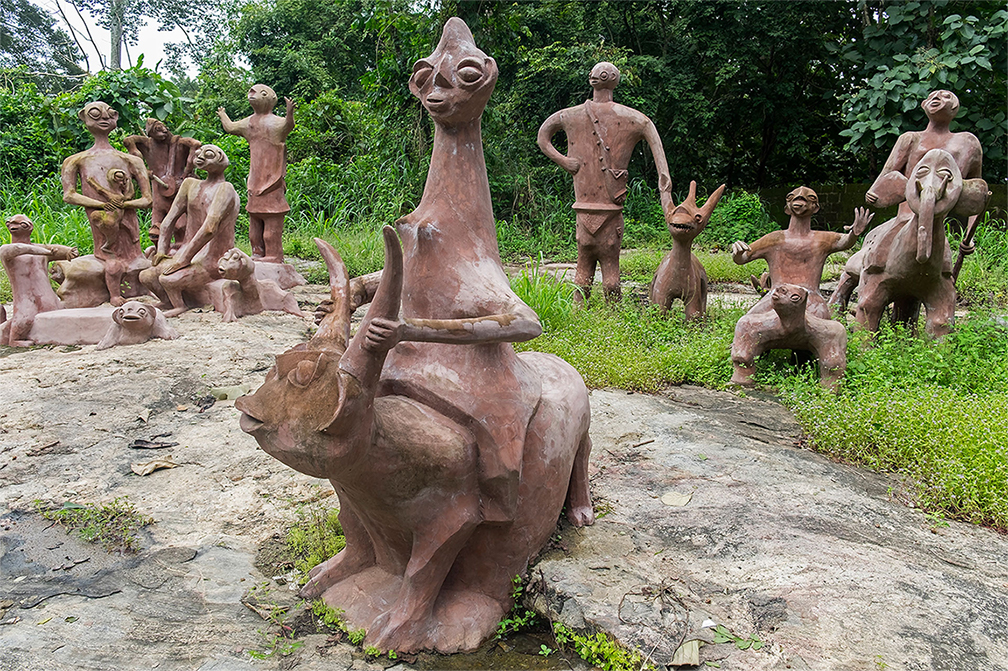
(453, 455)
(193, 261)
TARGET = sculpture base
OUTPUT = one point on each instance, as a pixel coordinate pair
(72, 326)
(281, 273)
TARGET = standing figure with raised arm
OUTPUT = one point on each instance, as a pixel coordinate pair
(116, 238)
(267, 135)
(169, 159)
(601, 136)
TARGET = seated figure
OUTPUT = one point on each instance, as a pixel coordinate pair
(242, 294)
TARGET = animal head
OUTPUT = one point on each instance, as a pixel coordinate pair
(604, 75)
(99, 118)
(118, 177)
(262, 98)
(135, 316)
(314, 412)
(20, 227)
(687, 220)
(455, 82)
(235, 265)
(931, 192)
(789, 299)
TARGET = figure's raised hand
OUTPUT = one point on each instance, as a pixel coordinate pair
(290, 105)
(383, 334)
(740, 250)
(862, 217)
(221, 114)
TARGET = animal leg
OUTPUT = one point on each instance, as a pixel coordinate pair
(579, 504)
(231, 293)
(407, 626)
(696, 303)
(872, 300)
(841, 297)
(745, 349)
(355, 557)
(940, 307)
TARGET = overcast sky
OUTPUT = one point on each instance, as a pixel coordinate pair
(151, 43)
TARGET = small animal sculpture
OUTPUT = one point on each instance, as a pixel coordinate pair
(911, 263)
(81, 282)
(421, 568)
(790, 326)
(681, 274)
(244, 295)
(134, 323)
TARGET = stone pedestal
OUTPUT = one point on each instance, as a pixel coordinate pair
(73, 326)
(281, 273)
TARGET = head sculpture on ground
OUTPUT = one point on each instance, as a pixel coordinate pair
(134, 323)
(447, 479)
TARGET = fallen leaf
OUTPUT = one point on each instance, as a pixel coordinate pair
(43, 621)
(71, 618)
(688, 654)
(144, 415)
(181, 408)
(148, 467)
(676, 499)
(230, 393)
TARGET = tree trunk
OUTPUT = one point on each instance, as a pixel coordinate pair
(116, 35)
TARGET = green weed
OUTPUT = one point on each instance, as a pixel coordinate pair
(600, 650)
(550, 297)
(520, 618)
(315, 537)
(115, 525)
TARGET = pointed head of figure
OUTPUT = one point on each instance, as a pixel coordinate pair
(211, 158)
(802, 202)
(941, 105)
(235, 265)
(455, 82)
(604, 75)
(20, 228)
(99, 118)
(156, 130)
(262, 98)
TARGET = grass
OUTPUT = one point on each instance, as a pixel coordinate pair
(314, 538)
(115, 525)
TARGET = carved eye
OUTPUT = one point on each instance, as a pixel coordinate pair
(94, 113)
(422, 71)
(945, 173)
(922, 171)
(470, 71)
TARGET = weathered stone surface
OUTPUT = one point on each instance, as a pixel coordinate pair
(814, 557)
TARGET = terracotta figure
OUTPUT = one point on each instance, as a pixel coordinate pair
(680, 274)
(134, 323)
(81, 282)
(243, 294)
(941, 108)
(266, 134)
(111, 208)
(601, 136)
(912, 263)
(796, 256)
(169, 161)
(25, 265)
(789, 325)
(181, 280)
(452, 454)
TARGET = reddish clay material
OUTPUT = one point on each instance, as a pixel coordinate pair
(680, 274)
(911, 263)
(451, 454)
(889, 189)
(72, 326)
(169, 160)
(134, 323)
(25, 265)
(795, 256)
(788, 325)
(267, 135)
(282, 273)
(106, 177)
(601, 136)
(181, 280)
(241, 293)
(81, 282)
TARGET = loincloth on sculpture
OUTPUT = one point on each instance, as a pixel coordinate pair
(485, 388)
(272, 202)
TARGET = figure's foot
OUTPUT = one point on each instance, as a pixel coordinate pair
(395, 630)
(333, 570)
(742, 377)
(229, 317)
(271, 259)
(117, 301)
(581, 516)
(174, 312)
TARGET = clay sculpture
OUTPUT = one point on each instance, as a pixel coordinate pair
(242, 294)
(795, 256)
(451, 454)
(169, 160)
(134, 323)
(25, 265)
(601, 136)
(680, 274)
(181, 281)
(106, 178)
(889, 189)
(912, 262)
(81, 282)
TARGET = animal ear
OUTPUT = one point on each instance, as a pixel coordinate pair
(117, 316)
(711, 203)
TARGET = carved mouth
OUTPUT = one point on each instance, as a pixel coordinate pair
(682, 227)
(249, 424)
(131, 318)
(437, 103)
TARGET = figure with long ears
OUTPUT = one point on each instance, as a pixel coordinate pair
(117, 238)
(267, 135)
(169, 160)
(601, 136)
(680, 274)
(941, 107)
(25, 264)
(422, 567)
(450, 448)
(181, 280)
(795, 256)
(912, 264)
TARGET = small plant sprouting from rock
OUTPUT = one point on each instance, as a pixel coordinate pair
(115, 525)
(520, 618)
(333, 619)
(315, 537)
(723, 635)
(600, 650)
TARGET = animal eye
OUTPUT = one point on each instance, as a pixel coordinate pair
(470, 70)
(421, 73)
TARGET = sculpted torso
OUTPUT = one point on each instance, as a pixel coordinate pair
(215, 201)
